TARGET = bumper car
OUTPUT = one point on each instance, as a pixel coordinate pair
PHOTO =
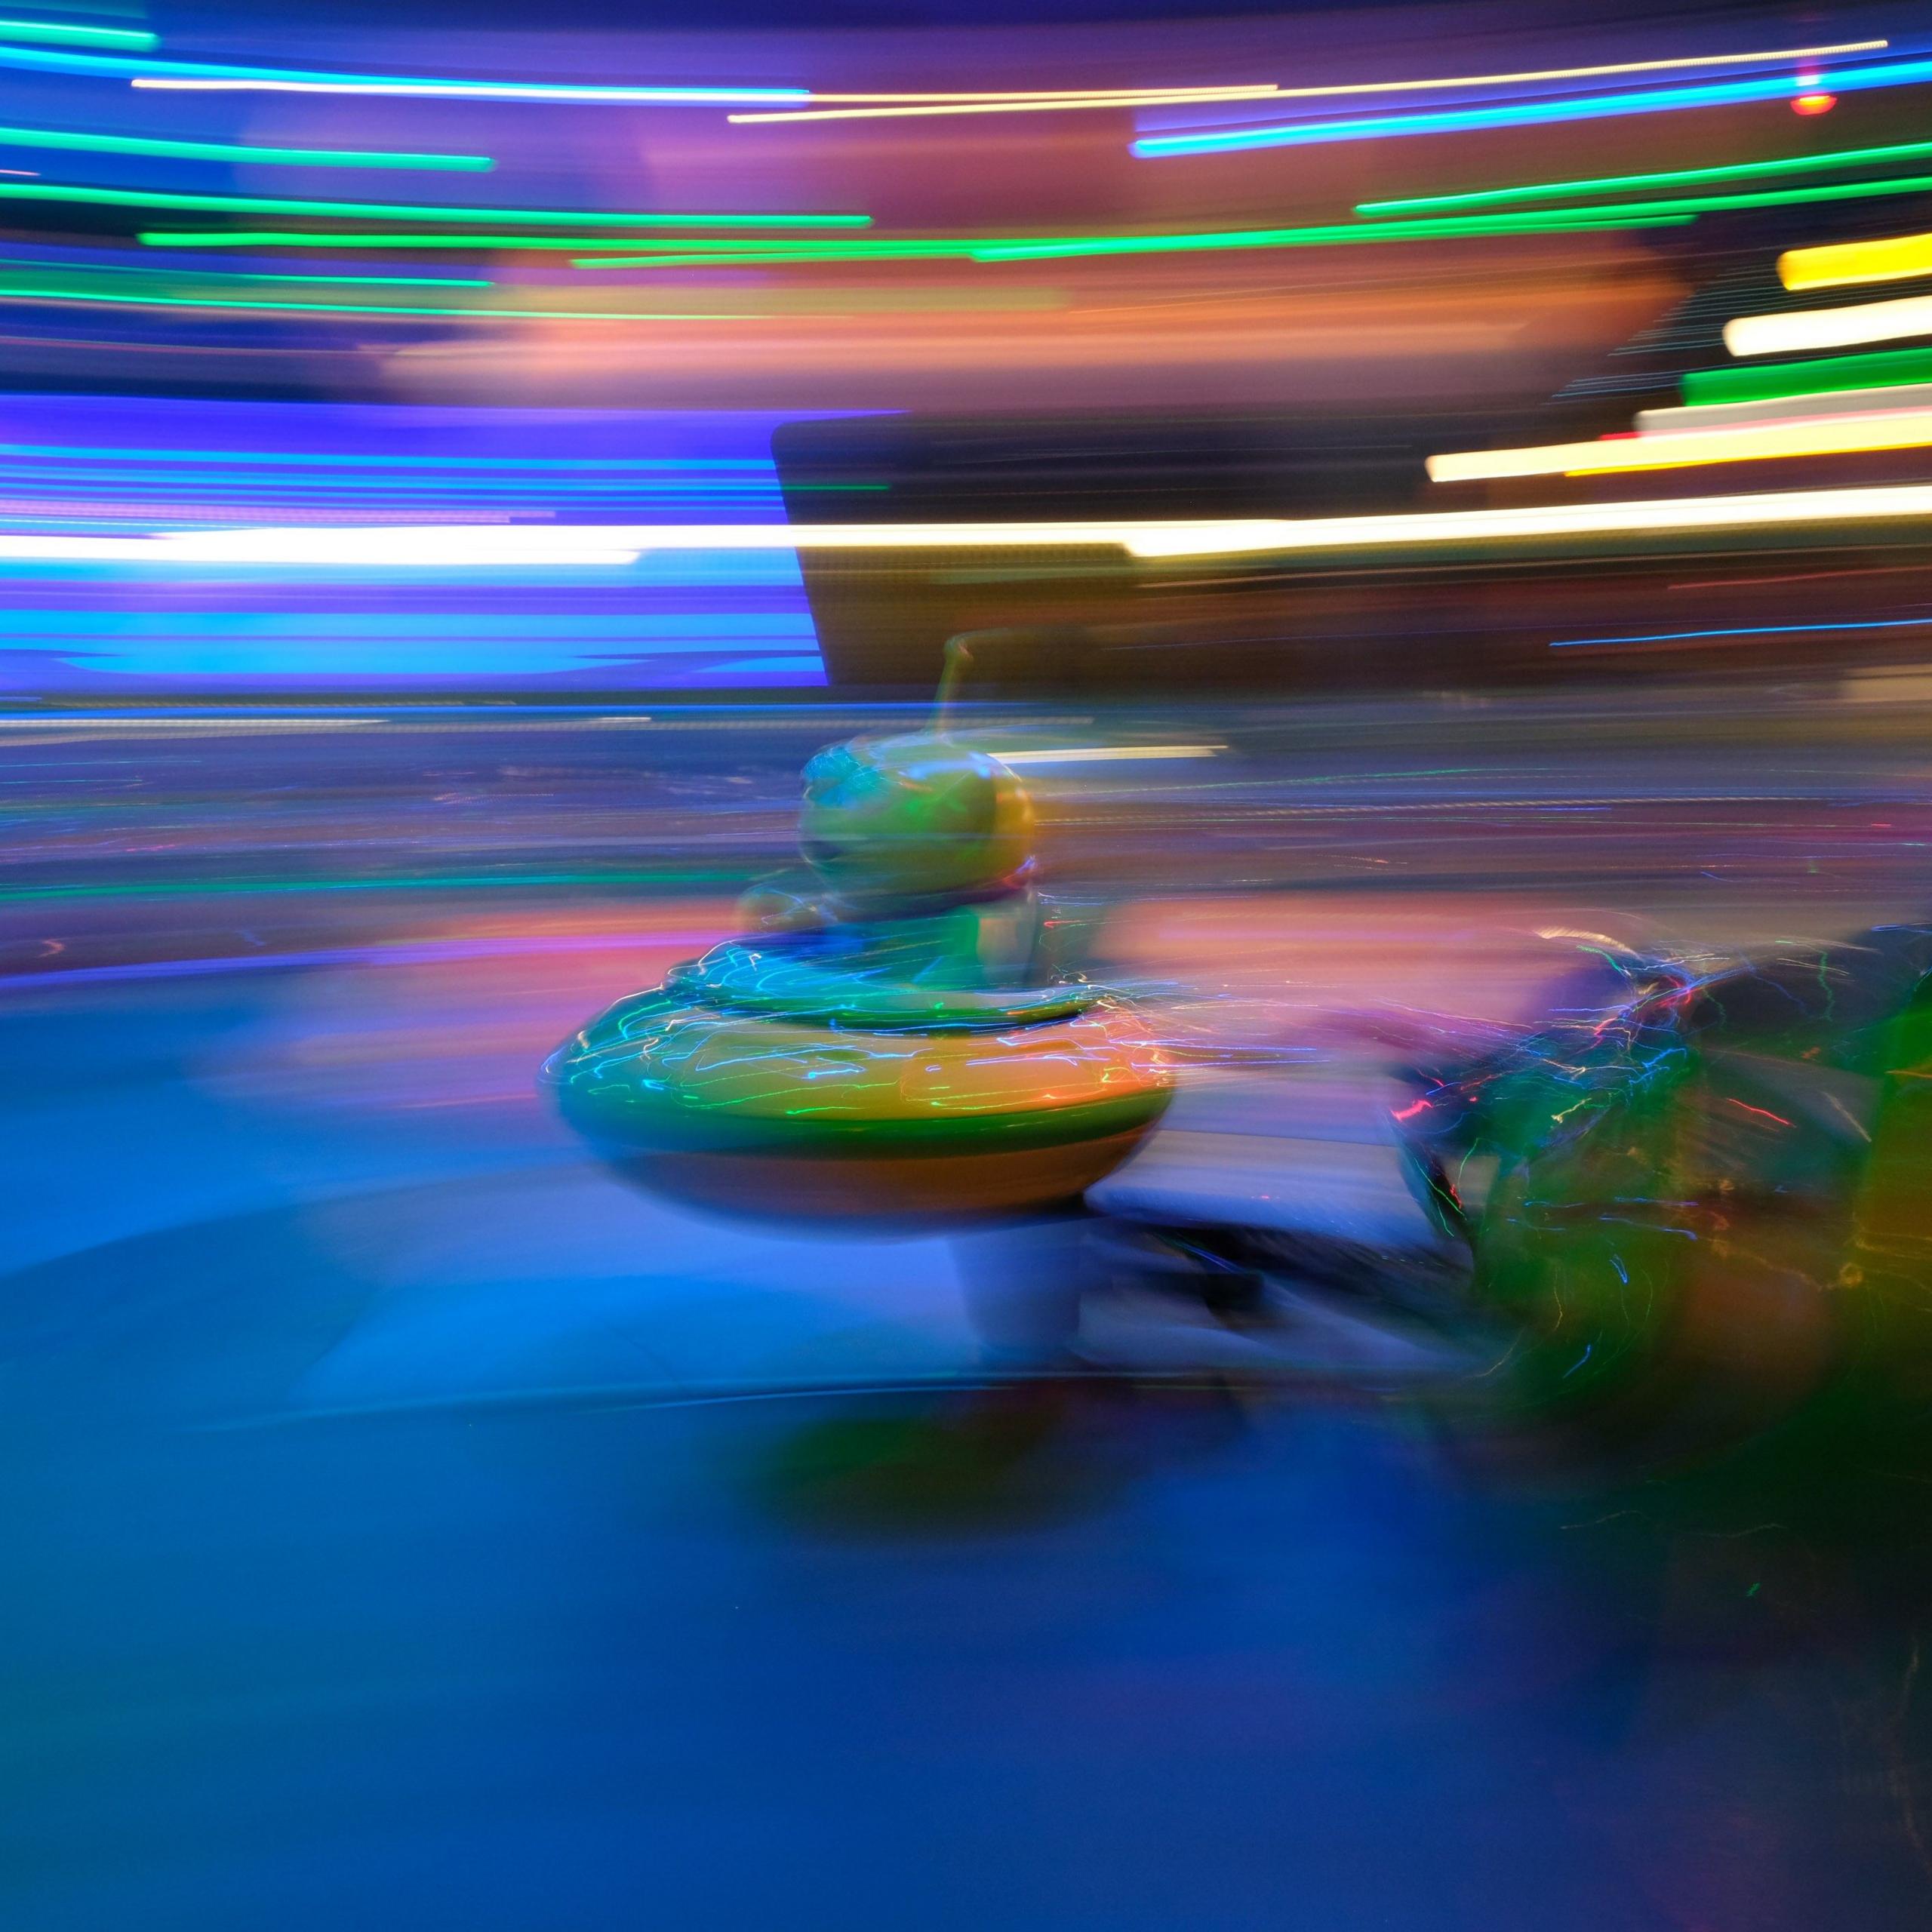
(899, 1040)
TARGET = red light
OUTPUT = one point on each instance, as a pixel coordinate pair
(1814, 103)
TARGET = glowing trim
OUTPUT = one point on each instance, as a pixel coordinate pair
(1601, 184)
(65, 138)
(1835, 435)
(1529, 113)
(1829, 328)
(1847, 262)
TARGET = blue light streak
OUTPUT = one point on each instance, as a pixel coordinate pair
(125, 68)
(1747, 630)
(1533, 113)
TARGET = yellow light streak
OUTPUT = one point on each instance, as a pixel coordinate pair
(1845, 263)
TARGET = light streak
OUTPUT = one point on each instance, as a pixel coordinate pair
(1749, 630)
(759, 251)
(59, 293)
(1786, 408)
(1835, 435)
(178, 276)
(737, 253)
(1829, 328)
(1845, 263)
(243, 81)
(225, 77)
(1783, 508)
(229, 151)
(1671, 177)
(1109, 754)
(1530, 113)
(1556, 222)
(134, 39)
(508, 545)
(336, 240)
(1882, 369)
(1126, 99)
(144, 198)
(1766, 198)
(1019, 101)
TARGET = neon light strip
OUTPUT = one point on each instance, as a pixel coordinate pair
(64, 138)
(1838, 435)
(1749, 630)
(1018, 102)
(1531, 113)
(1603, 184)
(1785, 409)
(1829, 328)
(133, 39)
(143, 198)
(1847, 262)
(441, 545)
(1884, 370)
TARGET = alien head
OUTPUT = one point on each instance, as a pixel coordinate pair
(912, 815)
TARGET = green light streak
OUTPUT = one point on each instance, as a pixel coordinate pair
(1743, 171)
(1690, 205)
(60, 31)
(1824, 376)
(1454, 228)
(228, 151)
(750, 254)
(148, 198)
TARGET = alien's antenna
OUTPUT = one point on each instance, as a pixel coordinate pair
(958, 662)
